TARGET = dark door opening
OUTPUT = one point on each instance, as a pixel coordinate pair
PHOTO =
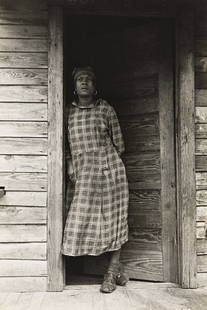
(126, 54)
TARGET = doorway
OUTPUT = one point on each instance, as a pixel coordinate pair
(133, 59)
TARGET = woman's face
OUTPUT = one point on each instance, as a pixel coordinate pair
(85, 86)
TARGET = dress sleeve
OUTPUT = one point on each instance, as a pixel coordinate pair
(115, 131)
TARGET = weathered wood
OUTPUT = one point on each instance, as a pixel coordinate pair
(23, 60)
(23, 233)
(201, 245)
(23, 268)
(201, 146)
(201, 180)
(24, 181)
(201, 47)
(55, 150)
(201, 80)
(201, 64)
(21, 163)
(23, 284)
(10, 111)
(142, 144)
(167, 158)
(185, 141)
(22, 215)
(202, 263)
(23, 93)
(201, 212)
(201, 131)
(23, 76)
(23, 31)
(201, 97)
(201, 163)
(23, 6)
(201, 279)
(29, 199)
(15, 17)
(23, 146)
(23, 45)
(23, 129)
(150, 219)
(201, 115)
(34, 251)
(201, 230)
(201, 198)
(150, 181)
(144, 199)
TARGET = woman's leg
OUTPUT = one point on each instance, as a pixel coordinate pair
(114, 260)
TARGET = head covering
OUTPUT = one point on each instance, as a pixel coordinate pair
(77, 71)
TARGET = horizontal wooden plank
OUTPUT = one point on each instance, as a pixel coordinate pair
(23, 284)
(25, 93)
(21, 215)
(149, 219)
(202, 263)
(23, 129)
(23, 45)
(23, 60)
(23, 31)
(201, 64)
(23, 76)
(16, 17)
(201, 97)
(201, 115)
(23, 268)
(24, 181)
(201, 230)
(142, 144)
(201, 80)
(201, 246)
(201, 146)
(23, 233)
(23, 6)
(22, 163)
(34, 146)
(201, 198)
(201, 162)
(201, 279)
(29, 199)
(19, 111)
(151, 181)
(201, 212)
(201, 180)
(201, 131)
(201, 47)
(144, 235)
(34, 251)
(144, 199)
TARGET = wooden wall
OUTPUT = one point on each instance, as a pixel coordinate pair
(201, 138)
(23, 144)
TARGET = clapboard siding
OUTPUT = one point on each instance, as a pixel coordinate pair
(201, 139)
(23, 144)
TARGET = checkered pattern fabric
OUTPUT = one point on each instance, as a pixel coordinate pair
(97, 216)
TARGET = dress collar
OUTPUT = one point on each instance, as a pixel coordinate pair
(74, 103)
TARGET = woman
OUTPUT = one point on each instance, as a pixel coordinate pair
(97, 218)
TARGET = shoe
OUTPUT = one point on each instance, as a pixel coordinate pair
(109, 282)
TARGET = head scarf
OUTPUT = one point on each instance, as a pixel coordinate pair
(77, 71)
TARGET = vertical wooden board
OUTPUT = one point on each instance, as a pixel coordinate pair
(186, 148)
(167, 158)
(23, 233)
(30, 199)
(34, 251)
(23, 284)
(55, 152)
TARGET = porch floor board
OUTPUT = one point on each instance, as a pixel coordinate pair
(137, 295)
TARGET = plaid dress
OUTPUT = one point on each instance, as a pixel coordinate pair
(97, 217)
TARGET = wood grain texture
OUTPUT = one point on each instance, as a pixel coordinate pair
(202, 263)
(23, 146)
(24, 251)
(23, 284)
(23, 45)
(23, 129)
(10, 111)
(55, 150)
(201, 198)
(201, 146)
(23, 76)
(201, 97)
(16, 268)
(18, 17)
(201, 64)
(23, 233)
(144, 199)
(23, 93)
(23, 31)
(201, 80)
(186, 147)
(201, 163)
(201, 115)
(29, 199)
(24, 181)
(201, 47)
(201, 245)
(201, 180)
(21, 215)
(201, 230)
(201, 213)
(22, 163)
(23, 60)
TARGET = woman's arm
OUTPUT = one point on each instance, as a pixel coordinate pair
(115, 131)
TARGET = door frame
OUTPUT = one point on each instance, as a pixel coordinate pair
(185, 241)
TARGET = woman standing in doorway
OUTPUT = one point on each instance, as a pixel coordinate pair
(97, 217)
